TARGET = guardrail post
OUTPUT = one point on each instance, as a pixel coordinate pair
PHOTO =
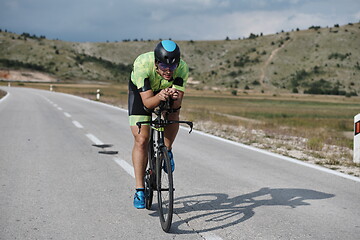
(357, 138)
(51, 88)
(98, 95)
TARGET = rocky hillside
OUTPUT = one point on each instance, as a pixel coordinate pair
(316, 60)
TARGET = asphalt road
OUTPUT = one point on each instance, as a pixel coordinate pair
(55, 185)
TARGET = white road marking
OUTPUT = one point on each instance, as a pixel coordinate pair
(77, 124)
(94, 139)
(126, 166)
(67, 115)
(95, 102)
(59, 108)
(122, 163)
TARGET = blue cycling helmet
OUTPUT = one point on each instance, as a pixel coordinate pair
(167, 52)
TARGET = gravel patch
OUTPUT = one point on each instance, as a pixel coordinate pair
(329, 156)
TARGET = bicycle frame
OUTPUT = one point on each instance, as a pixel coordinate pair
(157, 156)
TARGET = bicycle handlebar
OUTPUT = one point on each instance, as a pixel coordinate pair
(164, 106)
(164, 123)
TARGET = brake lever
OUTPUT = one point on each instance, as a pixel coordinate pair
(191, 126)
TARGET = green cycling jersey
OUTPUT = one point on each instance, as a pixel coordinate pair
(144, 68)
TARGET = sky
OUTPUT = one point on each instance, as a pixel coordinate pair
(118, 20)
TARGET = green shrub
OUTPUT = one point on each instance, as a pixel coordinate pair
(295, 90)
(339, 56)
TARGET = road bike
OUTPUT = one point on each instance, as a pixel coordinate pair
(158, 176)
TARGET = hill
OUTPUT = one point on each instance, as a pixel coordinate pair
(316, 60)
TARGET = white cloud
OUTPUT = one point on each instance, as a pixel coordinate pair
(101, 20)
(357, 16)
(241, 24)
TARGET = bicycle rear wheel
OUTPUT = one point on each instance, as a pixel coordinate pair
(165, 189)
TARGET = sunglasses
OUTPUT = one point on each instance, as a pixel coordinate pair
(164, 66)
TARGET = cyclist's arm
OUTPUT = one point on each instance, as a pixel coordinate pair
(150, 100)
(178, 100)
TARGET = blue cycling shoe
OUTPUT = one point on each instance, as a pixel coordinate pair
(139, 200)
(172, 162)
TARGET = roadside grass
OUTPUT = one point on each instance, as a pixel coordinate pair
(319, 121)
(2, 93)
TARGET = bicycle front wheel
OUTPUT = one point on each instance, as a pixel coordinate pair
(164, 180)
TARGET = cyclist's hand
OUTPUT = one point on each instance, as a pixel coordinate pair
(173, 93)
(163, 95)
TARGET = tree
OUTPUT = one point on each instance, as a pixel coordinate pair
(315, 27)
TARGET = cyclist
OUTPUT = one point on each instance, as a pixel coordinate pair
(156, 76)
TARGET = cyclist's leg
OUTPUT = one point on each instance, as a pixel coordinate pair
(171, 130)
(139, 153)
(170, 135)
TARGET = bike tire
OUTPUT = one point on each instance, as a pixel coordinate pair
(148, 193)
(165, 190)
(150, 176)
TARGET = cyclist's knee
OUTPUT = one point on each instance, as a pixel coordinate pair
(141, 141)
(140, 138)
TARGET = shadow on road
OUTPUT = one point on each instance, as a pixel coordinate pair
(218, 211)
